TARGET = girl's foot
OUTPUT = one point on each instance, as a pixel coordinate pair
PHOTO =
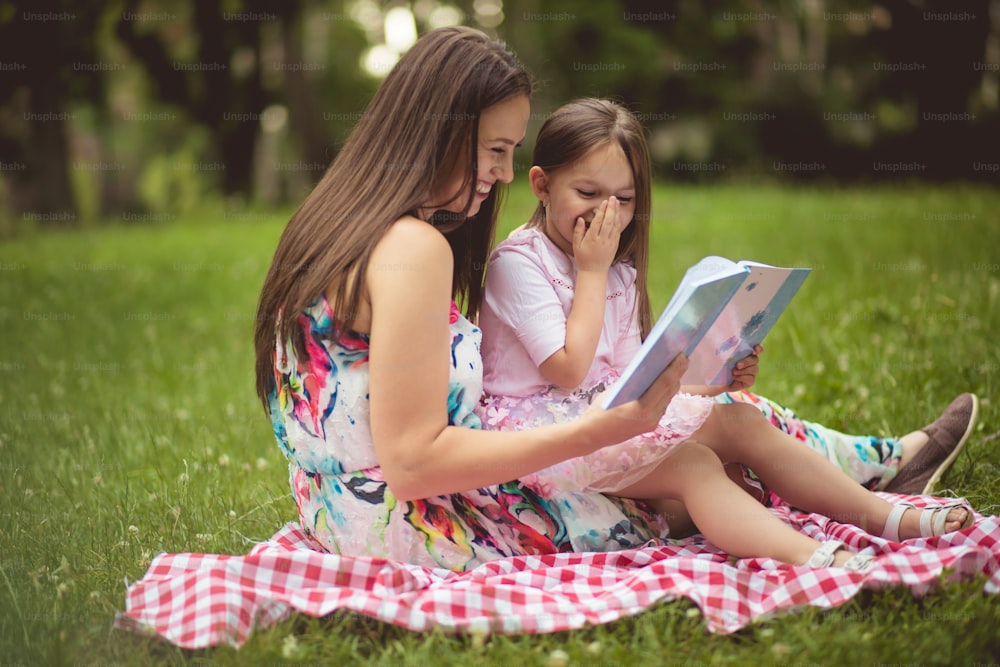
(831, 554)
(928, 453)
(906, 521)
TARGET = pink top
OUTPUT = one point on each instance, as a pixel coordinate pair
(529, 291)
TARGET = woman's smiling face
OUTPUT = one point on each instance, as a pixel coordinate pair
(501, 129)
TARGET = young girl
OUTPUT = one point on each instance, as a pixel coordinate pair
(561, 314)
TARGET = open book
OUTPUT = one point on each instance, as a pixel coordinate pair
(720, 311)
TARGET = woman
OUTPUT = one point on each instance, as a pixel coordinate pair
(369, 371)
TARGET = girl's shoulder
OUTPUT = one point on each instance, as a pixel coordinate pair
(528, 249)
(532, 245)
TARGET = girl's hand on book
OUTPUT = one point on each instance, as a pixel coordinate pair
(595, 246)
(745, 371)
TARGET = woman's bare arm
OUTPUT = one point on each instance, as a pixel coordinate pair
(408, 283)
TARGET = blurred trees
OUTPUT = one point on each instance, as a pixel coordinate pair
(222, 82)
(814, 88)
(37, 85)
(136, 108)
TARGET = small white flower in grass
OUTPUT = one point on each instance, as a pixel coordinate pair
(261, 463)
(95, 595)
(134, 530)
(232, 514)
(224, 460)
(28, 493)
(843, 362)
(766, 632)
(61, 589)
(780, 649)
(182, 414)
(799, 390)
(558, 658)
(97, 480)
(204, 537)
(290, 648)
(594, 648)
(819, 367)
(693, 612)
(478, 637)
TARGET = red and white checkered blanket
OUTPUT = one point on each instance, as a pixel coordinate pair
(198, 600)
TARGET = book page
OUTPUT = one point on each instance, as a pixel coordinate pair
(744, 323)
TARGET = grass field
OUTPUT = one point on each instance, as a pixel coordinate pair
(129, 424)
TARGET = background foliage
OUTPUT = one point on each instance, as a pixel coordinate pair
(142, 109)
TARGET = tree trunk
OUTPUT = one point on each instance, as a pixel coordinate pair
(50, 196)
(302, 110)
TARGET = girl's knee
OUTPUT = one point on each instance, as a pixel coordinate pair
(738, 417)
(695, 458)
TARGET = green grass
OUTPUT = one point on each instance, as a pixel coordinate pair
(129, 424)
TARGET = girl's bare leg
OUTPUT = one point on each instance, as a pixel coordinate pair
(677, 516)
(724, 513)
(739, 432)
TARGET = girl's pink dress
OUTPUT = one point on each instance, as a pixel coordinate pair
(529, 291)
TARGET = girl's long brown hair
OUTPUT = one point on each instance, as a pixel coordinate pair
(575, 129)
(419, 130)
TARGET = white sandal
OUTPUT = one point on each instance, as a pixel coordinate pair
(823, 557)
(932, 519)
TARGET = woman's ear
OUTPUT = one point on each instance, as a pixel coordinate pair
(539, 183)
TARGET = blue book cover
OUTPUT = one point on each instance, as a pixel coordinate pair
(720, 311)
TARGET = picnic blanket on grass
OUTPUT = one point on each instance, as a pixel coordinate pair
(198, 600)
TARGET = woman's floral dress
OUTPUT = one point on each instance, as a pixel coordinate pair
(320, 413)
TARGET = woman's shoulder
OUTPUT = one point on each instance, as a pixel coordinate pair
(411, 240)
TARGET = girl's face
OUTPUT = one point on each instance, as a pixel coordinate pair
(501, 129)
(577, 190)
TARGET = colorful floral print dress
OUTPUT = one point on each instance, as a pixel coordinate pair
(320, 413)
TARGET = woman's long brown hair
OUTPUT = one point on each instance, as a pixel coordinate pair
(574, 130)
(418, 131)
